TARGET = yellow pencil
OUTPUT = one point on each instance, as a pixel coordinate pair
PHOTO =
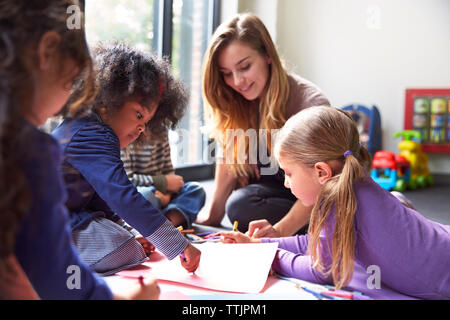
(235, 226)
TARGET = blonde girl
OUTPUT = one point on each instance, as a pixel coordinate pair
(356, 226)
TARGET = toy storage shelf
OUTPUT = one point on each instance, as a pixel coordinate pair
(428, 111)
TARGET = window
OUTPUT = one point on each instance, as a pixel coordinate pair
(177, 29)
(192, 26)
(129, 21)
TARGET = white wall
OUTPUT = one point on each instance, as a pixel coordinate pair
(365, 51)
(228, 8)
(265, 9)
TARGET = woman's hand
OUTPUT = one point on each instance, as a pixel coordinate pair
(237, 237)
(262, 229)
(191, 258)
(174, 182)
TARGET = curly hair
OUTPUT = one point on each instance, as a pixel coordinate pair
(22, 25)
(124, 73)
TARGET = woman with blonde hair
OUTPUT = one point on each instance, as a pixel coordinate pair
(361, 237)
(247, 91)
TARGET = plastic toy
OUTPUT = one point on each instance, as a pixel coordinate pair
(438, 110)
(437, 128)
(390, 171)
(384, 169)
(448, 126)
(418, 160)
(421, 106)
(368, 121)
(421, 117)
(438, 105)
(407, 170)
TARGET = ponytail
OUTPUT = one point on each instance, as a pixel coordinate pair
(338, 193)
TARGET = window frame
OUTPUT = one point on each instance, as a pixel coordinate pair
(162, 46)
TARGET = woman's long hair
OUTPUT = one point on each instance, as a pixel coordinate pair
(22, 24)
(227, 109)
(322, 134)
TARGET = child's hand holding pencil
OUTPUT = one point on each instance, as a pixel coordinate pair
(237, 237)
(262, 229)
(149, 289)
(190, 258)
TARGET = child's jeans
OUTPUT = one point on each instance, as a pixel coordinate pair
(188, 201)
(149, 194)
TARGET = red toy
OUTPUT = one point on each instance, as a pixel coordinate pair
(409, 169)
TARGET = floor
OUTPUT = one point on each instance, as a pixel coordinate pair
(208, 185)
(433, 202)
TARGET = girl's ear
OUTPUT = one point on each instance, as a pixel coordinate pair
(323, 172)
(48, 49)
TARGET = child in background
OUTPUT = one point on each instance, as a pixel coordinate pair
(355, 224)
(40, 59)
(137, 95)
(149, 168)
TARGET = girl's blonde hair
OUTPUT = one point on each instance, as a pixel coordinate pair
(227, 109)
(323, 134)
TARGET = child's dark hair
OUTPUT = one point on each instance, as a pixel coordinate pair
(22, 25)
(124, 73)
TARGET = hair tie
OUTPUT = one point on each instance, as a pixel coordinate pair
(348, 152)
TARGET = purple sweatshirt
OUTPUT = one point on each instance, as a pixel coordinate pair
(411, 253)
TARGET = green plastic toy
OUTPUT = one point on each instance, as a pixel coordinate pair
(412, 151)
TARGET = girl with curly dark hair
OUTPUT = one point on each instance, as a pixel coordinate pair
(40, 59)
(137, 98)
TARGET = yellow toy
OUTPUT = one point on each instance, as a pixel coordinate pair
(412, 151)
